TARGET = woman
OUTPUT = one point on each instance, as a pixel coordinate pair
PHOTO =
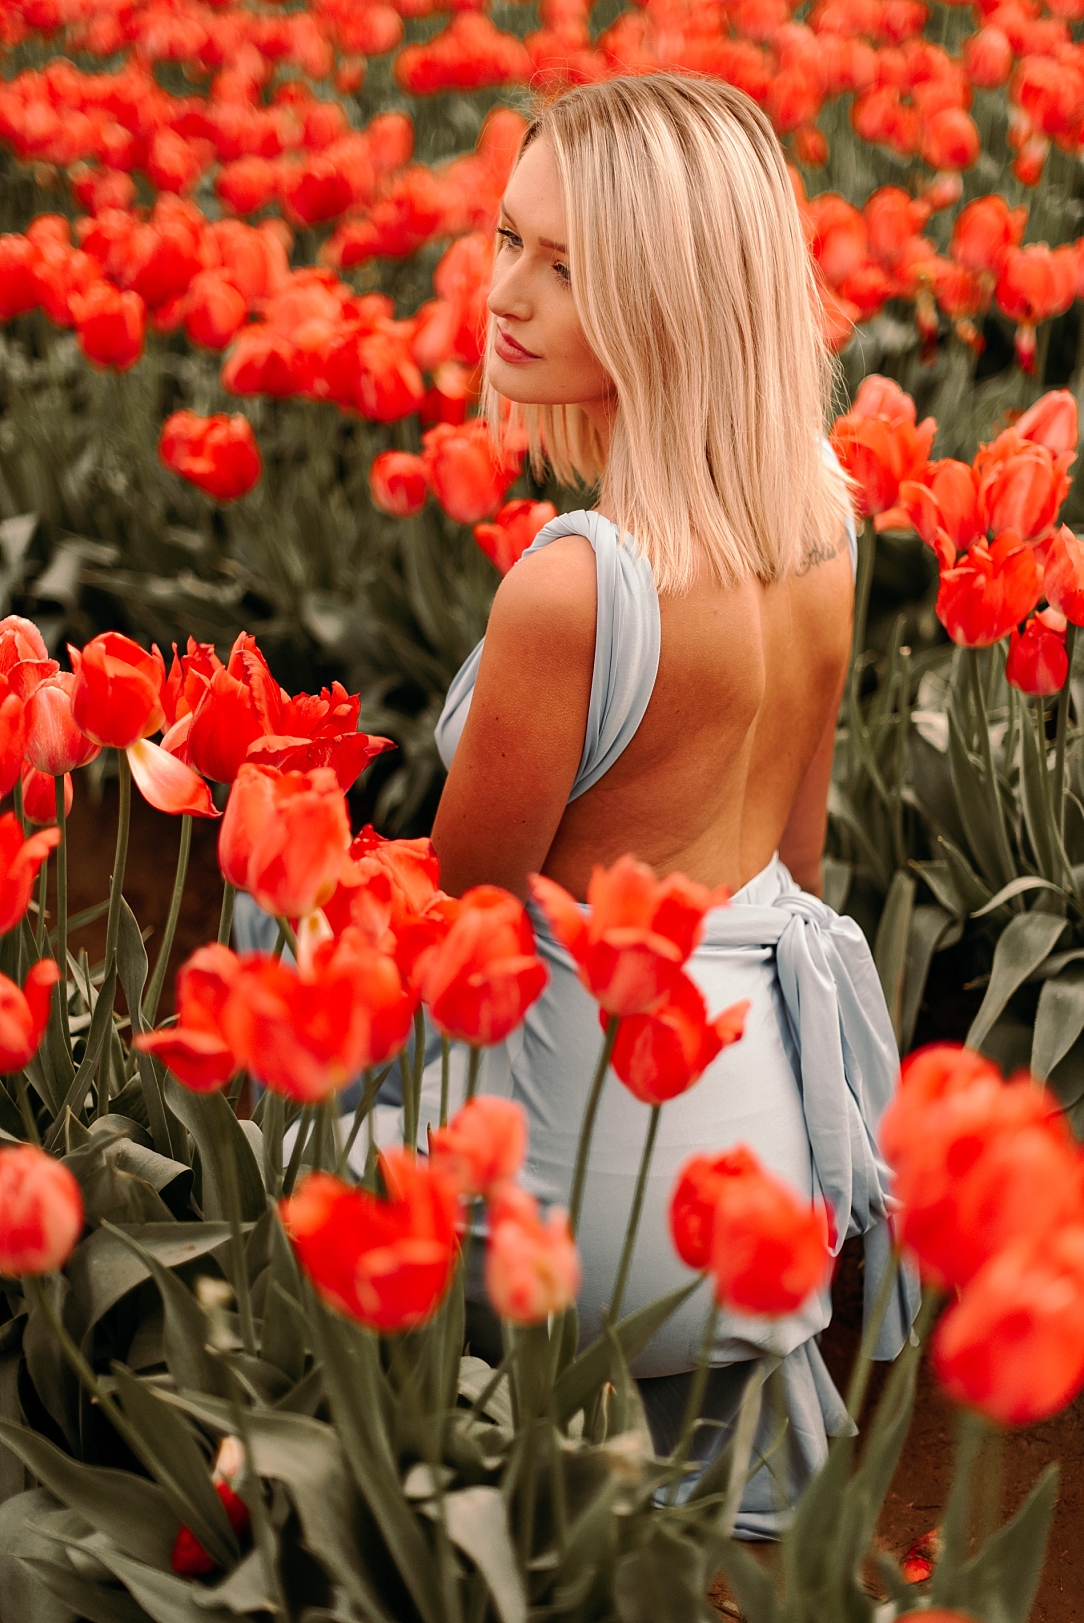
(661, 676)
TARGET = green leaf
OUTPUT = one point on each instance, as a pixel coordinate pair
(662, 1582)
(186, 1331)
(969, 887)
(752, 1583)
(1018, 887)
(841, 808)
(1059, 1020)
(128, 1509)
(1023, 944)
(132, 968)
(931, 929)
(103, 1268)
(475, 1377)
(890, 946)
(1035, 797)
(85, 1599)
(243, 1591)
(358, 1393)
(178, 1465)
(477, 1523)
(938, 876)
(1006, 1571)
(307, 1456)
(101, 1022)
(973, 797)
(586, 1373)
(163, 1597)
(219, 1134)
(282, 1341)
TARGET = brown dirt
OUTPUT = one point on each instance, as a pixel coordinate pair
(917, 1496)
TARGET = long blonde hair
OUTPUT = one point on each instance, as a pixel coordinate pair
(695, 290)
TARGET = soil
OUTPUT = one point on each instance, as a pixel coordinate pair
(917, 1496)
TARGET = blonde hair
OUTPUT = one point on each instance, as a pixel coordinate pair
(696, 292)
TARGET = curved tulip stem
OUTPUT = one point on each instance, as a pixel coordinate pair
(116, 883)
(986, 749)
(419, 1062)
(225, 918)
(41, 934)
(445, 1078)
(237, 1255)
(62, 907)
(473, 1067)
(154, 991)
(410, 1119)
(17, 796)
(371, 1086)
(695, 1398)
(1061, 733)
(286, 938)
(633, 1226)
(294, 1167)
(587, 1125)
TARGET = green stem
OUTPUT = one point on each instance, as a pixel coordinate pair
(419, 1061)
(1061, 734)
(41, 934)
(410, 1120)
(62, 907)
(154, 991)
(693, 1402)
(298, 1150)
(633, 1225)
(116, 883)
(287, 938)
(587, 1125)
(271, 1125)
(867, 547)
(17, 794)
(369, 1088)
(445, 1069)
(225, 918)
(863, 1364)
(237, 1249)
(987, 753)
(473, 1066)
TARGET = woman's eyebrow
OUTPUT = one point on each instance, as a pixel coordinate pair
(543, 242)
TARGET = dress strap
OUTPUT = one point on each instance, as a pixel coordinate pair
(628, 637)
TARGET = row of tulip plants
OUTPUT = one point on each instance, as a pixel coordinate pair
(290, 209)
(243, 1384)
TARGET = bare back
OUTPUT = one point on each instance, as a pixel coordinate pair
(730, 762)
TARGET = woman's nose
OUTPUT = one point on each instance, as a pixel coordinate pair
(508, 295)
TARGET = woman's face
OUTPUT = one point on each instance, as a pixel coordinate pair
(540, 356)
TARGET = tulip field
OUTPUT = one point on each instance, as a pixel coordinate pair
(250, 526)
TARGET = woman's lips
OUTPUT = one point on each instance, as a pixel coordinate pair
(509, 350)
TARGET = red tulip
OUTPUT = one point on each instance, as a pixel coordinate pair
(506, 540)
(41, 1212)
(230, 715)
(284, 838)
(1013, 1345)
(110, 325)
(213, 310)
(188, 680)
(1063, 576)
(1021, 485)
(117, 693)
(483, 1146)
(316, 730)
(55, 744)
(12, 736)
(950, 140)
(638, 931)
(878, 444)
(532, 1265)
(482, 978)
(398, 484)
(980, 600)
(387, 1263)
(308, 1032)
(1037, 661)
(1051, 421)
(769, 1248)
(988, 58)
(19, 259)
(39, 796)
(218, 454)
(189, 1559)
(464, 470)
(20, 860)
(24, 1014)
(660, 1055)
(196, 1049)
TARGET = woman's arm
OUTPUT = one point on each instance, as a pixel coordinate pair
(523, 739)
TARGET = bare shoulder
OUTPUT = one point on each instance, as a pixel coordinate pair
(549, 597)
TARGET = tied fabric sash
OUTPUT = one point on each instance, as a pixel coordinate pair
(848, 1061)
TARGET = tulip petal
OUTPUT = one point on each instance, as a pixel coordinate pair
(167, 783)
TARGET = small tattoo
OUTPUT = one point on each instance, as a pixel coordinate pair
(820, 553)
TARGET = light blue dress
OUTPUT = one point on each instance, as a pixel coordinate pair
(804, 1088)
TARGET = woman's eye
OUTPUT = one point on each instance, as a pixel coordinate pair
(564, 273)
(509, 237)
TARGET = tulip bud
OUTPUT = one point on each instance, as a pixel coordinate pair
(532, 1265)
